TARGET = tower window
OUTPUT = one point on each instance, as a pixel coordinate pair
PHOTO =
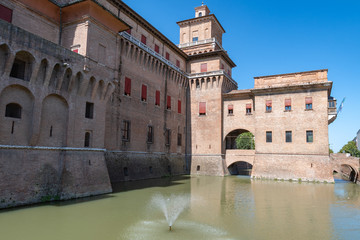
(5, 13)
(195, 39)
(157, 98)
(178, 63)
(204, 67)
(167, 137)
(269, 136)
(157, 48)
(127, 88)
(230, 109)
(288, 137)
(248, 108)
(167, 56)
(168, 103)
(308, 103)
(287, 104)
(202, 108)
(309, 136)
(89, 111)
(150, 134)
(143, 93)
(125, 130)
(13, 110)
(179, 106)
(200, 14)
(87, 139)
(143, 39)
(268, 106)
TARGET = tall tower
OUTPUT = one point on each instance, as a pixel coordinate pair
(210, 76)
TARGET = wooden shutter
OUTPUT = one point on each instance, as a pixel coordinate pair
(230, 107)
(268, 103)
(248, 106)
(308, 100)
(167, 56)
(168, 102)
(202, 108)
(143, 39)
(178, 63)
(143, 92)
(129, 31)
(287, 102)
(5, 13)
(179, 106)
(127, 86)
(157, 48)
(157, 98)
(204, 67)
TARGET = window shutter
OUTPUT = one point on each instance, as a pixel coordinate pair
(5, 13)
(287, 102)
(157, 98)
(202, 108)
(129, 31)
(268, 103)
(230, 107)
(143, 39)
(127, 86)
(179, 106)
(167, 56)
(204, 67)
(248, 106)
(157, 48)
(143, 92)
(178, 63)
(168, 102)
(308, 100)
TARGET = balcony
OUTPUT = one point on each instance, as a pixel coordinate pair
(332, 112)
(206, 41)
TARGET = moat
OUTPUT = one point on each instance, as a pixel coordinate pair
(233, 207)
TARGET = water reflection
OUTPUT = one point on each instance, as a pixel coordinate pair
(220, 208)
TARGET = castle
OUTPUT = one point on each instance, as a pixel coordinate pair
(91, 93)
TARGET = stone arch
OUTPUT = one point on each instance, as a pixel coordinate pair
(55, 74)
(230, 138)
(23, 66)
(66, 80)
(54, 121)
(240, 168)
(16, 130)
(100, 89)
(76, 83)
(349, 172)
(4, 56)
(90, 87)
(43, 68)
(109, 90)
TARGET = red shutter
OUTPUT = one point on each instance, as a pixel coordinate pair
(178, 63)
(222, 66)
(143, 92)
(143, 39)
(179, 106)
(168, 102)
(230, 107)
(157, 49)
(248, 106)
(157, 98)
(5, 13)
(204, 67)
(129, 31)
(76, 50)
(202, 108)
(308, 100)
(167, 56)
(287, 102)
(127, 86)
(268, 103)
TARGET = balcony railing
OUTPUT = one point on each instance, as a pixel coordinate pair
(209, 40)
(150, 51)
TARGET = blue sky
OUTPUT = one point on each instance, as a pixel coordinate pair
(281, 36)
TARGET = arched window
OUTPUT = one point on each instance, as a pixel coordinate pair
(200, 14)
(13, 110)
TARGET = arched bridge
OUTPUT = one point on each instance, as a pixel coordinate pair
(346, 165)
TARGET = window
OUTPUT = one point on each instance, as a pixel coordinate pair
(127, 89)
(288, 137)
(178, 63)
(87, 139)
(126, 172)
(230, 109)
(179, 106)
(202, 108)
(13, 110)
(167, 56)
(167, 137)
(150, 135)
(125, 131)
(89, 111)
(179, 139)
(222, 66)
(157, 48)
(168, 103)
(309, 136)
(198, 168)
(143, 93)
(197, 84)
(5, 13)
(195, 39)
(287, 104)
(331, 104)
(248, 108)
(204, 67)
(129, 31)
(269, 136)
(143, 39)
(268, 105)
(200, 14)
(157, 98)
(308, 103)
(150, 169)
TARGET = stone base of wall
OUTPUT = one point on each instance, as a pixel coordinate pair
(213, 165)
(31, 175)
(293, 167)
(143, 165)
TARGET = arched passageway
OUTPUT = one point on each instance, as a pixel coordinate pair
(349, 173)
(247, 140)
(240, 168)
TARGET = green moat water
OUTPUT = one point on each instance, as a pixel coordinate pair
(219, 208)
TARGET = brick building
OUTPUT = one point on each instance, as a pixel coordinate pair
(91, 93)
